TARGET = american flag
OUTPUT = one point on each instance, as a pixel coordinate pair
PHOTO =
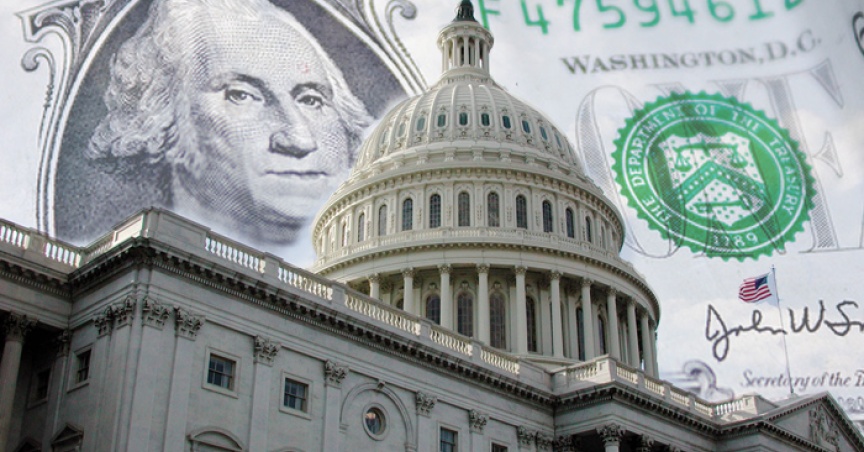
(754, 290)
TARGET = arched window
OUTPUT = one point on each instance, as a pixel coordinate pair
(435, 211)
(408, 214)
(465, 314)
(361, 227)
(531, 317)
(464, 209)
(463, 119)
(588, 229)
(571, 224)
(601, 331)
(547, 216)
(602, 236)
(526, 126)
(345, 231)
(505, 122)
(382, 220)
(421, 123)
(442, 120)
(493, 209)
(497, 321)
(433, 308)
(485, 121)
(521, 212)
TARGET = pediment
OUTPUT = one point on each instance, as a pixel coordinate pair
(819, 420)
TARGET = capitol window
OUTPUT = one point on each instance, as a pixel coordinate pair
(375, 423)
(435, 211)
(433, 308)
(485, 121)
(221, 373)
(497, 321)
(505, 121)
(82, 366)
(421, 123)
(382, 220)
(498, 448)
(547, 216)
(544, 134)
(361, 227)
(493, 210)
(571, 225)
(465, 313)
(442, 120)
(531, 320)
(407, 214)
(448, 440)
(464, 202)
(295, 395)
(521, 212)
(588, 229)
(463, 119)
(526, 126)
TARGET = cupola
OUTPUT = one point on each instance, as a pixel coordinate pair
(469, 208)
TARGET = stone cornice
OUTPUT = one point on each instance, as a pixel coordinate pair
(404, 247)
(150, 252)
(34, 275)
(491, 172)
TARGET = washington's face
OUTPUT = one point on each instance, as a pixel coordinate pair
(270, 143)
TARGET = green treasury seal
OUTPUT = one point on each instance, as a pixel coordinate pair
(713, 174)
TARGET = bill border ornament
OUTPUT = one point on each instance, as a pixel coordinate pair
(715, 175)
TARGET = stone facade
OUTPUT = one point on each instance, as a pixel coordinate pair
(516, 327)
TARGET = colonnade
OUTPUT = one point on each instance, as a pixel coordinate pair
(566, 332)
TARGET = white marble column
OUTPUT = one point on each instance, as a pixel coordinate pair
(186, 327)
(17, 326)
(612, 434)
(483, 329)
(647, 348)
(122, 314)
(557, 324)
(408, 292)
(521, 341)
(477, 423)
(265, 351)
(375, 286)
(654, 364)
(632, 334)
(153, 318)
(333, 375)
(446, 297)
(612, 317)
(59, 372)
(588, 320)
(426, 434)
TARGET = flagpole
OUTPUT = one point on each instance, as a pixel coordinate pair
(783, 327)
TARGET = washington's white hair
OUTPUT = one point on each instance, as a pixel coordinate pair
(148, 73)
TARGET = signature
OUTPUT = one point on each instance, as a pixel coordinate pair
(720, 334)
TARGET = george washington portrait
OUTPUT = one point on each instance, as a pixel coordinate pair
(244, 114)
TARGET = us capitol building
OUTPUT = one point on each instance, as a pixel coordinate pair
(468, 295)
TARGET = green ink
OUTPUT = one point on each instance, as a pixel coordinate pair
(722, 11)
(541, 20)
(622, 19)
(790, 4)
(685, 11)
(651, 8)
(485, 12)
(715, 175)
(759, 14)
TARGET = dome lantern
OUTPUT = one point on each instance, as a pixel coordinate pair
(465, 44)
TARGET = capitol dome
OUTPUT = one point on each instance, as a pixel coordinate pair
(470, 208)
